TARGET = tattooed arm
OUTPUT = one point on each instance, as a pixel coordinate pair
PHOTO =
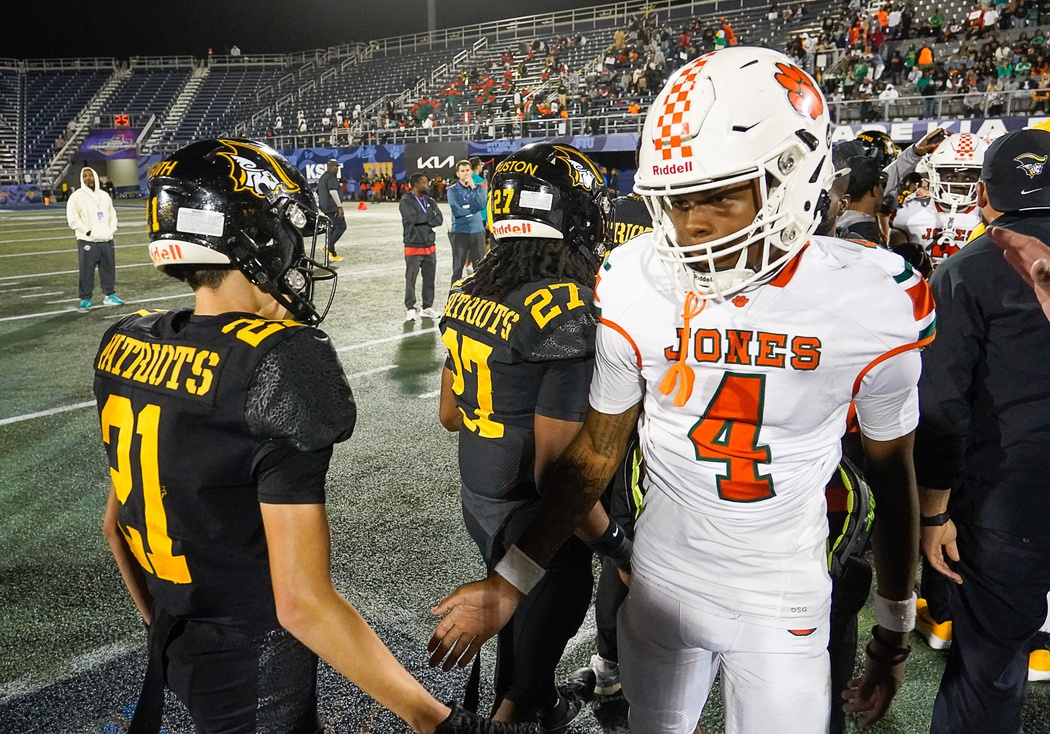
(477, 611)
(577, 481)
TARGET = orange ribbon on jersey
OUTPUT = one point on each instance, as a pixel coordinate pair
(693, 307)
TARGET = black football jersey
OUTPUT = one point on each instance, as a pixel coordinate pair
(630, 218)
(532, 353)
(203, 418)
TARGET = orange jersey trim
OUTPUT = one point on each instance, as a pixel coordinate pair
(619, 329)
(788, 272)
(892, 353)
(921, 299)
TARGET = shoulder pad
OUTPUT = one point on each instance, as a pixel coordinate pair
(299, 393)
(562, 323)
(146, 320)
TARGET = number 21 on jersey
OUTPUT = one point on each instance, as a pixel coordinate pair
(159, 560)
(727, 433)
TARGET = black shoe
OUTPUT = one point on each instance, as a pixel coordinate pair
(577, 690)
(461, 721)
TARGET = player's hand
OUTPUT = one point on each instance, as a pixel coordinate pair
(625, 577)
(1030, 258)
(473, 613)
(935, 542)
(930, 142)
(869, 696)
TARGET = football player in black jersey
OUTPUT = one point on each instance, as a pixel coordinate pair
(219, 424)
(520, 338)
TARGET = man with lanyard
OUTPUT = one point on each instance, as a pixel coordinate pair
(419, 216)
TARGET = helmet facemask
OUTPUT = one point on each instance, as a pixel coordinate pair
(774, 231)
(276, 259)
(954, 187)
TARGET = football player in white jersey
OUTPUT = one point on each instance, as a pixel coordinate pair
(741, 339)
(942, 223)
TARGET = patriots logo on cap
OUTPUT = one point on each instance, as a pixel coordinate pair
(1031, 163)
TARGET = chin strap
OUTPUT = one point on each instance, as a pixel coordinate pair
(693, 307)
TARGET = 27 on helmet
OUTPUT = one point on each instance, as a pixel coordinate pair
(954, 168)
(241, 203)
(738, 114)
(879, 147)
(551, 191)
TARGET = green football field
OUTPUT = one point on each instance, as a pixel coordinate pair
(71, 644)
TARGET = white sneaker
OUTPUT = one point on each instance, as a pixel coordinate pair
(607, 676)
(430, 313)
(410, 315)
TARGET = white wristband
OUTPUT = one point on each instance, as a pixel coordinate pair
(522, 572)
(895, 616)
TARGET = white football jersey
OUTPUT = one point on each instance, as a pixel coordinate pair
(936, 228)
(734, 517)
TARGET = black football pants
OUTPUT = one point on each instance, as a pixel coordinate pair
(611, 592)
(995, 613)
(532, 643)
(233, 683)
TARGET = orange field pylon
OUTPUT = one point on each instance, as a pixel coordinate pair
(361, 206)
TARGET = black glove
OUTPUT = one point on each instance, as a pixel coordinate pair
(461, 721)
(614, 545)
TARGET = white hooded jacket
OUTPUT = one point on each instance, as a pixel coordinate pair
(90, 212)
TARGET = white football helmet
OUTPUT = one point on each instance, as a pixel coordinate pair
(954, 168)
(739, 114)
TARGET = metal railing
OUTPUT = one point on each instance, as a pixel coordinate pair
(913, 108)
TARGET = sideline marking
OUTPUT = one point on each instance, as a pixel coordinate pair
(92, 403)
(70, 250)
(41, 295)
(73, 310)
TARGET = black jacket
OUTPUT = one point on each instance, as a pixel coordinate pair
(984, 394)
(419, 225)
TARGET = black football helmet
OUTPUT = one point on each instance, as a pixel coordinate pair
(551, 191)
(879, 147)
(238, 202)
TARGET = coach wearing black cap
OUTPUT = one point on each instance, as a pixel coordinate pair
(984, 439)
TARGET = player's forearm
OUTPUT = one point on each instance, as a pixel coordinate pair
(130, 570)
(577, 481)
(895, 536)
(336, 632)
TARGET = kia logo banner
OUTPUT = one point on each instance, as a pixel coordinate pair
(435, 159)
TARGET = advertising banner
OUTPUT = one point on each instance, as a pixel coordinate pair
(617, 142)
(913, 130)
(435, 159)
(147, 164)
(21, 195)
(384, 160)
(102, 145)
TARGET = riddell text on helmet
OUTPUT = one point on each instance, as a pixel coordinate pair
(504, 228)
(672, 168)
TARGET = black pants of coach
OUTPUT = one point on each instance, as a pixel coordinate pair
(99, 255)
(338, 228)
(414, 264)
(995, 613)
(530, 646)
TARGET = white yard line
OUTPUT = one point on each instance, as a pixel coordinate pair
(41, 295)
(384, 340)
(92, 403)
(42, 314)
(67, 272)
(70, 250)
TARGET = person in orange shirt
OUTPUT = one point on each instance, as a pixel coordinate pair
(634, 108)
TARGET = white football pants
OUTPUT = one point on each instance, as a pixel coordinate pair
(772, 680)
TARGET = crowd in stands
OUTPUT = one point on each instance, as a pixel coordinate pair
(994, 51)
(532, 81)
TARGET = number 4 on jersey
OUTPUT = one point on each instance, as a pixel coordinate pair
(727, 432)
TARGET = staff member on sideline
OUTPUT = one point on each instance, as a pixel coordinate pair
(330, 202)
(984, 440)
(466, 199)
(91, 216)
(419, 216)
